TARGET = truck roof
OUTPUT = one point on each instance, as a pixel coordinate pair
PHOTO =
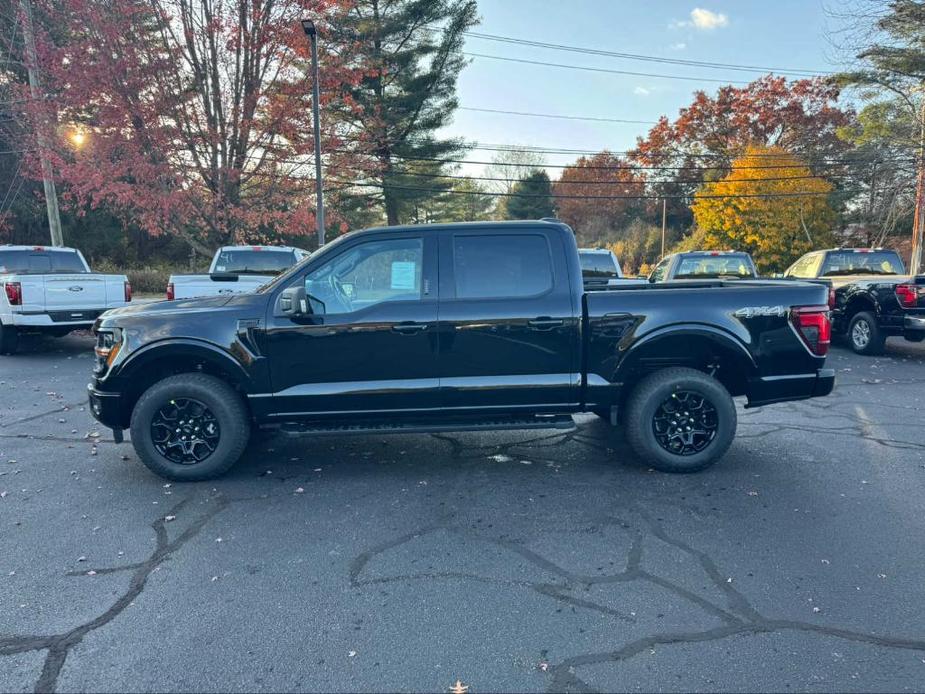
(257, 247)
(487, 226)
(711, 253)
(11, 247)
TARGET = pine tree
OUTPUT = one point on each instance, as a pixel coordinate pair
(532, 198)
(410, 54)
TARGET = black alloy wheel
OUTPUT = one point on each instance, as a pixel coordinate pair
(685, 423)
(185, 431)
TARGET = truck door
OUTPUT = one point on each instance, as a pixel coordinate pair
(509, 328)
(370, 345)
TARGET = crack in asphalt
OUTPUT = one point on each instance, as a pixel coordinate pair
(739, 616)
(59, 645)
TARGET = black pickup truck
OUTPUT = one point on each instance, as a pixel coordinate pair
(480, 326)
(872, 297)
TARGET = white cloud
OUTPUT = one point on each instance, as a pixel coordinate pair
(642, 91)
(680, 46)
(702, 19)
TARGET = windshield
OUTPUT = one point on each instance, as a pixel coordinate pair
(254, 262)
(862, 263)
(598, 265)
(715, 266)
(33, 262)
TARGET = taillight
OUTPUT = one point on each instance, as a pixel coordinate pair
(831, 298)
(908, 295)
(13, 293)
(170, 292)
(813, 326)
(128, 291)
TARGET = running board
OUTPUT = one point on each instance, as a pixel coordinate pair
(560, 422)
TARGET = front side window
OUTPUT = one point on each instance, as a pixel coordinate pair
(661, 271)
(368, 274)
(501, 266)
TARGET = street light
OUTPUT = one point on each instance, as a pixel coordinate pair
(308, 26)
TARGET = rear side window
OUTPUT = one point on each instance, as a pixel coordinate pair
(499, 266)
(862, 263)
(40, 262)
(598, 265)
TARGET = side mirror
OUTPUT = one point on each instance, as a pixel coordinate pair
(294, 302)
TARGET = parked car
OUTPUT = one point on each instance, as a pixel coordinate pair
(699, 265)
(235, 269)
(600, 269)
(52, 290)
(449, 327)
(873, 297)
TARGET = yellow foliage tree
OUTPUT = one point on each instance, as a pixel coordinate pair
(770, 205)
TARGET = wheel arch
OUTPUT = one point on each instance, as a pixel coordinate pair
(165, 358)
(702, 347)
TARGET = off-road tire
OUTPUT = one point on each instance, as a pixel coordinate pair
(222, 401)
(648, 397)
(864, 337)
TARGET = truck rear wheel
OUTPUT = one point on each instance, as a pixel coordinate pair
(190, 427)
(9, 339)
(864, 336)
(680, 420)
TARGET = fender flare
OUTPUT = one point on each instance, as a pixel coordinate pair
(173, 348)
(719, 336)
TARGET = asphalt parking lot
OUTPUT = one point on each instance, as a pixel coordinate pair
(511, 562)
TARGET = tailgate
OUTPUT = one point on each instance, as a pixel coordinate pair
(77, 291)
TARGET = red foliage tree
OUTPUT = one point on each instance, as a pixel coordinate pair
(591, 195)
(194, 115)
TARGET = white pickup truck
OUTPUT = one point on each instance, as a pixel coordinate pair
(52, 290)
(235, 270)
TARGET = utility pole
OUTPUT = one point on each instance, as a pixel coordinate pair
(308, 26)
(915, 263)
(664, 224)
(35, 87)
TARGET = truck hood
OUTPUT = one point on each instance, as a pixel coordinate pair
(169, 309)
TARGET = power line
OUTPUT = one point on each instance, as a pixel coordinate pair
(588, 68)
(348, 184)
(614, 182)
(552, 115)
(645, 58)
(627, 167)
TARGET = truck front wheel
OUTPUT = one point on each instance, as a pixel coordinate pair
(680, 420)
(190, 427)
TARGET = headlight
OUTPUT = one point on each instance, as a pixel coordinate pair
(108, 344)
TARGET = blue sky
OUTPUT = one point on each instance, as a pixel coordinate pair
(791, 34)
